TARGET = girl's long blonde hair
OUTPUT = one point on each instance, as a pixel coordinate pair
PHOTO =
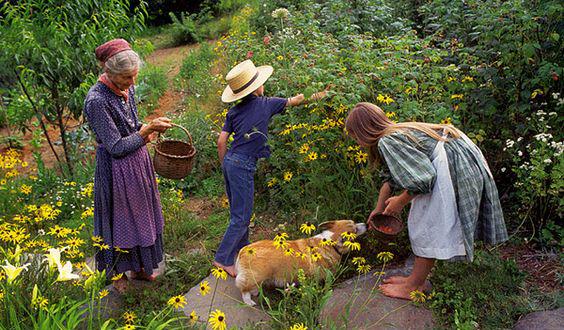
(367, 123)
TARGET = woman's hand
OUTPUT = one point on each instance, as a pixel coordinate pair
(394, 205)
(160, 124)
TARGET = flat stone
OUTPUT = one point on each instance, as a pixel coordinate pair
(357, 304)
(228, 300)
(545, 320)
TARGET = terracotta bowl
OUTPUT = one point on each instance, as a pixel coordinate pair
(387, 224)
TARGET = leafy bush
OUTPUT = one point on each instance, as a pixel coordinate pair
(151, 84)
(184, 29)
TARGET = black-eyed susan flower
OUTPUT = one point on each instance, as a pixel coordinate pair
(219, 273)
(205, 288)
(129, 317)
(385, 256)
(417, 296)
(177, 301)
(316, 256)
(348, 235)
(129, 327)
(281, 237)
(327, 242)
(217, 320)
(307, 228)
(280, 244)
(272, 182)
(117, 277)
(298, 326)
(288, 176)
(193, 317)
(289, 252)
(358, 261)
(304, 148)
(250, 251)
(300, 255)
(363, 268)
(120, 250)
(97, 239)
(312, 156)
(353, 246)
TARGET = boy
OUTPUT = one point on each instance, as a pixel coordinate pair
(249, 121)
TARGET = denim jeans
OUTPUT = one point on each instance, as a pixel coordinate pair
(239, 174)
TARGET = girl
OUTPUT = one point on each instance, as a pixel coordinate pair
(444, 176)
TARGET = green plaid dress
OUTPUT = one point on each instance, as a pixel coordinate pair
(407, 165)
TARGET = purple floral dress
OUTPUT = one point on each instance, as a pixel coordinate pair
(127, 208)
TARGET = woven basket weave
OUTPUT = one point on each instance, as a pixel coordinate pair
(173, 158)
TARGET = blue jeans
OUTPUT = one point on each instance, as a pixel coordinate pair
(239, 174)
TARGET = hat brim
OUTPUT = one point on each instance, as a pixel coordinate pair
(264, 72)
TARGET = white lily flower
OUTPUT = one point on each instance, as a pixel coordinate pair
(65, 272)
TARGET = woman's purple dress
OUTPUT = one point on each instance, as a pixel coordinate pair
(127, 208)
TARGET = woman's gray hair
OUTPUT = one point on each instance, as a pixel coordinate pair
(122, 62)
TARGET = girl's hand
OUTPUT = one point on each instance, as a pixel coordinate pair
(394, 205)
(369, 220)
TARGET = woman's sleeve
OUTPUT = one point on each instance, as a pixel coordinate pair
(99, 119)
(408, 167)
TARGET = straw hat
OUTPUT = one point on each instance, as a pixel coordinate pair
(244, 79)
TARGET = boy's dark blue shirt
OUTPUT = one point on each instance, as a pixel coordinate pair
(252, 114)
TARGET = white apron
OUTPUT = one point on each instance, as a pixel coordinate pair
(433, 223)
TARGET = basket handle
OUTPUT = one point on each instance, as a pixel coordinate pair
(184, 129)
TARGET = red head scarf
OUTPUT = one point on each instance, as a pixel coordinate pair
(110, 48)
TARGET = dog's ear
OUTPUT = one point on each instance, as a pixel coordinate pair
(326, 225)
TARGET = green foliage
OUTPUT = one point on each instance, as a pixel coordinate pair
(150, 86)
(484, 293)
(184, 29)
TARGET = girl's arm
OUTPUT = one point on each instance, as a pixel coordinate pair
(385, 192)
(395, 204)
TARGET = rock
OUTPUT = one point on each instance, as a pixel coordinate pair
(357, 304)
(545, 320)
(228, 300)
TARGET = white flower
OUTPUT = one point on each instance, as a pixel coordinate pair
(65, 272)
(555, 95)
(41, 232)
(280, 13)
(519, 153)
(548, 161)
(560, 102)
(503, 169)
(519, 139)
(509, 143)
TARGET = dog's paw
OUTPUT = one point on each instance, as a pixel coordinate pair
(247, 299)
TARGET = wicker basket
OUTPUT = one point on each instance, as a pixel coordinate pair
(173, 158)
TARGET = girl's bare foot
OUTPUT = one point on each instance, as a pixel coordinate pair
(402, 290)
(142, 276)
(229, 269)
(121, 284)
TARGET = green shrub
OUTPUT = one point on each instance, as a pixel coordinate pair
(183, 29)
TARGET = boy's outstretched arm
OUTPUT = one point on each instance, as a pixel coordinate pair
(222, 145)
(300, 99)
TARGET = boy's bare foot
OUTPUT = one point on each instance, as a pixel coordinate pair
(121, 285)
(229, 269)
(142, 276)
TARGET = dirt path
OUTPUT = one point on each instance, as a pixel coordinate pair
(170, 59)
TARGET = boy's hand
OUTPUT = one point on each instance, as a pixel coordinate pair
(320, 95)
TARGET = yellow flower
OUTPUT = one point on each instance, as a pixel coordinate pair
(536, 92)
(288, 176)
(327, 242)
(117, 277)
(75, 242)
(457, 96)
(24, 164)
(280, 237)
(193, 318)
(385, 256)
(1, 295)
(312, 155)
(120, 250)
(363, 268)
(354, 246)
(300, 255)
(447, 121)
(307, 228)
(217, 320)
(361, 157)
(103, 293)
(280, 244)
(205, 288)
(12, 272)
(304, 148)
(298, 326)
(224, 202)
(129, 327)
(348, 235)
(358, 261)
(289, 252)
(280, 57)
(54, 257)
(316, 256)
(219, 273)
(272, 182)
(25, 189)
(129, 317)
(467, 78)
(250, 251)
(177, 301)
(451, 79)
(417, 296)
(97, 239)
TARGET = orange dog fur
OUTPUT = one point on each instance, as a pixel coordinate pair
(263, 263)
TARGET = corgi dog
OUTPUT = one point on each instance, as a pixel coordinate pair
(276, 262)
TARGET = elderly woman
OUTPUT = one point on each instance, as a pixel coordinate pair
(127, 209)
